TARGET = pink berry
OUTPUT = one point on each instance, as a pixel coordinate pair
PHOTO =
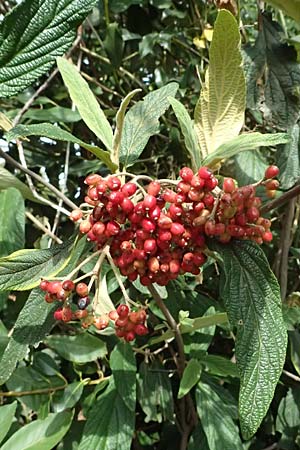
(271, 172)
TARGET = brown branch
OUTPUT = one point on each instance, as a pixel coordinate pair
(284, 198)
(33, 392)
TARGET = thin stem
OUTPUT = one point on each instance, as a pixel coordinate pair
(42, 227)
(284, 198)
(85, 261)
(33, 392)
(117, 275)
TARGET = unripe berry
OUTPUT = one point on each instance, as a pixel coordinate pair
(205, 173)
(113, 315)
(93, 194)
(164, 222)
(271, 172)
(68, 285)
(154, 188)
(186, 174)
(123, 310)
(153, 264)
(50, 298)
(82, 289)
(229, 185)
(92, 179)
(85, 226)
(271, 194)
(80, 314)
(76, 215)
(272, 185)
(174, 266)
(101, 322)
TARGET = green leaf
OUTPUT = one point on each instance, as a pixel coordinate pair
(190, 377)
(188, 131)
(123, 366)
(290, 7)
(113, 44)
(8, 180)
(23, 269)
(273, 76)
(110, 424)
(155, 392)
(69, 397)
(218, 365)
(252, 298)
(32, 35)
(289, 159)
(12, 221)
(55, 114)
(250, 166)
(216, 421)
(141, 122)
(54, 132)
(198, 439)
(86, 102)
(81, 348)
(7, 413)
(288, 418)
(41, 434)
(244, 142)
(33, 323)
(219, 113)
(294, 340)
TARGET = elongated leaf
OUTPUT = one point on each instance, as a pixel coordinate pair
(244, 142)
(81, 348)
(110, 424)
(41, 434)
(141, 122)
(191, 376)
(252, 299)
(188, 131)
(32, 35)
(12, 221)
(54, 114)
(123, 366)
(219, 113)
(287, 421)
(289, 159)
(7, 413)
(86, 102)
(216, 421)
(8, 180)
(34, 322)
(54, 132)
(23, 269)
(290, 7)
(69, 397)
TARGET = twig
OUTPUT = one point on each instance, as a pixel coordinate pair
(42, 227)
(284, 198)
(33, 392)
(291, 375)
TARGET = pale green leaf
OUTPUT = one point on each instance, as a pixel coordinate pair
(41, 434)
(102, 303)
(86, 102)
(141, 122)
(188, 131)
(53, 114)
(244, 142)
(23, 269)
(123, 366)
(190, 377)
(7, 180)
(81, 348)
(12, 221)
(54, 132)
(219, 113)
(290, 7)
(32, 35)
(252, 298)
(110, 424)
(7, 413)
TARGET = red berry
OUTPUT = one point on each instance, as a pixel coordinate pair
(148, 225)
(58, 314)
(101, 322)
(169, 196)
(252, 214)
(44, 285)
(123, 310)
(54, 287)
(154, 188)
(154, 214)
(68, 285)
(205, 173)
(122, 323)
(267, 236)
(98, 229)
(49, 298)
(183, 187)
(93, 194)
(127, 205)
(141, 330)
(80, 314)
(85, 226)
(76, 215)
(112, 228)
(113, 183)
(177, 229)
(186, 174)
(92, 179)
(82, 289)
(150, 246)
(66, 314)
(130, 336)
(229, 185)
(101, 187)
(271, 172)
(116, 197)
(113, 315)
(129, 189)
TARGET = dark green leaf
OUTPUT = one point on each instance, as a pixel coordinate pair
(40, 434)
(80, 348)
(123, 366)
(217, 423)
(110, 424)
(198, 439)
(32, 35)
(7, 413)
(289, 159)
(288, 418)
(34, 322)
(294, 339)
(114, 45)
(190, 377)
(141, 122)
(54, 132)
(253, 302)
(12, 221)
(69, 397)
(220, 366)
(8, 180)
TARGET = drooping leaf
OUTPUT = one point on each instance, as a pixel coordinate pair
(155, 392)
(123, 366)
(289, 159)
(219, 113)
(7, 413)
(81, 348)
(41, 434)
(54, 132)
(188, 131)
(290, 7)
(33, 323)
(86, 102)
(141, 122)
(23, 269)
(273, 76)
(244, 142)
(32, 35)
(253, 302)
(190, 377)
(12, 221)
(110, 424)
(8, 180)
(218, 424)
